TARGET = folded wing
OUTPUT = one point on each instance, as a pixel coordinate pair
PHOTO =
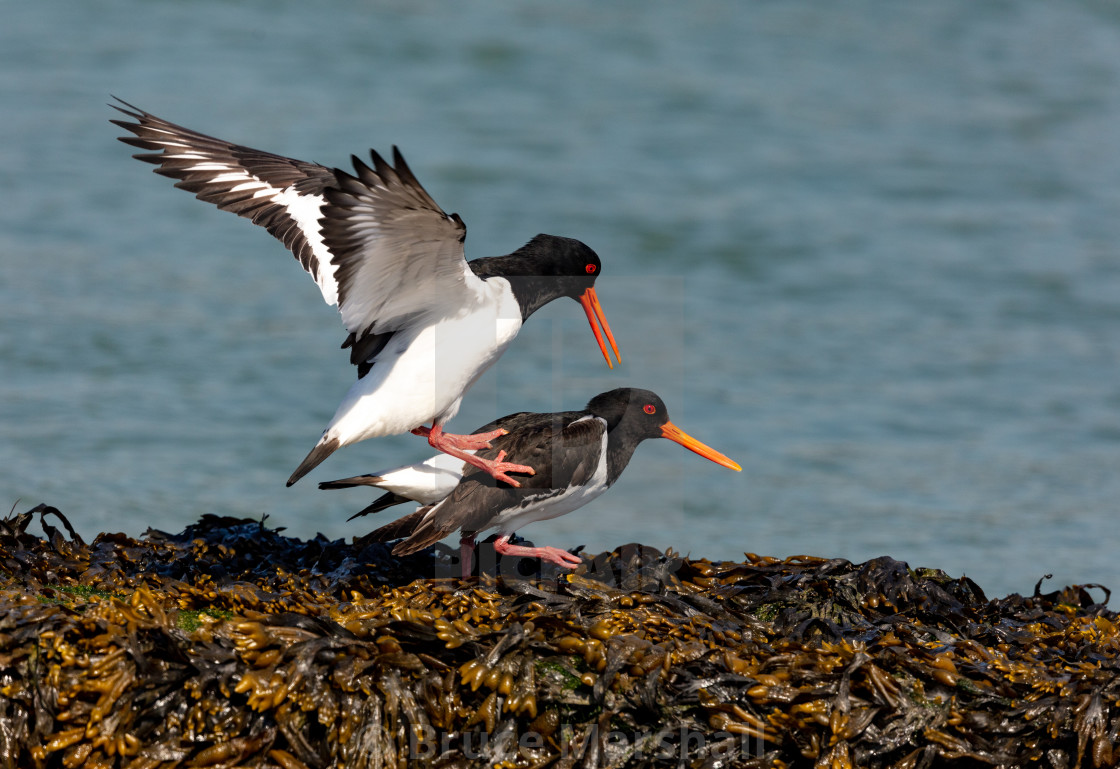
(556, 447)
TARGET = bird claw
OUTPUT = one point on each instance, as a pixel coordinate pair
(561, 558)
(459, 445)
(498, 469)
(474, 442)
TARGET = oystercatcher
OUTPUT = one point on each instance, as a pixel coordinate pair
(577, 456)
(423, 322)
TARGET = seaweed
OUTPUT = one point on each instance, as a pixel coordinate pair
(229, 644)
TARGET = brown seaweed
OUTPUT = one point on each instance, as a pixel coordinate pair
(230, 644)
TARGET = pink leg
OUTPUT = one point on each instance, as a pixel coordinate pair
(554, 555)
(458, 445)
(473, 442)
(466, 550)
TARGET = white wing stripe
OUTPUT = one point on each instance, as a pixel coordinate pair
(253, 185)
(377, 245)
(306, 210)
(256, 185)
(202, 166)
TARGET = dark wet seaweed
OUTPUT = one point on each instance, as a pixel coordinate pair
(229, 644)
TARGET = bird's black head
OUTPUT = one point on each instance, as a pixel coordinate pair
(632, 415)
(640, 413)
(549, 267)
(571, 264)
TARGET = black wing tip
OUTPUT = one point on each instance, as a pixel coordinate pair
(386, 173)
(402, 527)
(403, 171)
(131, 110)
(119, 101)
(361, 172)
(407, 546)
(382, 168)
(135, 126)
(383, 502)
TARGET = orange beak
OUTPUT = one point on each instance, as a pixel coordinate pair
(673, 433)
(594, 312)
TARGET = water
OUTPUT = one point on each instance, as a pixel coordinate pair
(870, 252)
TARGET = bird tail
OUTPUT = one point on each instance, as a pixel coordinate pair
(349, 483)
(323, 449)
(402, 527)
(425, 530)
(384, 501)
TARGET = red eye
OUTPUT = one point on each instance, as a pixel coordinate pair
(649, 408)
(590, 268)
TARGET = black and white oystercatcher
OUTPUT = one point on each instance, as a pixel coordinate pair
(577, 456)
(424, 323)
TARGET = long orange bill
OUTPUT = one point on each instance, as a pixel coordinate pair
(594, 312)
(674, 433)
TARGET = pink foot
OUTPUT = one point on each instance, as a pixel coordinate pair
(475, 442)
(555, 555)
(458, 445)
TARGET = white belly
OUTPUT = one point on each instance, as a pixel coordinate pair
(421, 376)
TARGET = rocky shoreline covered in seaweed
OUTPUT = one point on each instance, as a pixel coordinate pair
(229, 644)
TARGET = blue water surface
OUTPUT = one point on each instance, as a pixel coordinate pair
(870, 250)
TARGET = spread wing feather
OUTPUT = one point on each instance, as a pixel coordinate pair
(281, 194)
(374, 241)
(399, 256)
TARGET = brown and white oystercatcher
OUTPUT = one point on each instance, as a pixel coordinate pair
(423, 322)
(577, 455)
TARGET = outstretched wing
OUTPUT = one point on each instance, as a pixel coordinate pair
(399, 256)
(374, 241)
(564, 453)
(281, 194)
